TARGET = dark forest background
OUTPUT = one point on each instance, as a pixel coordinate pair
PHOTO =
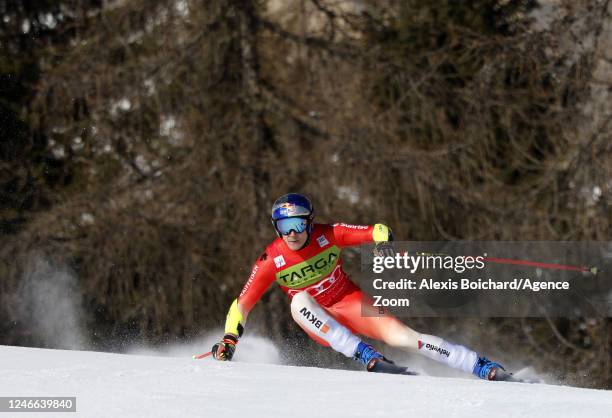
(143, 142)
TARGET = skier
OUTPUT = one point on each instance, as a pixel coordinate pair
(326, 304)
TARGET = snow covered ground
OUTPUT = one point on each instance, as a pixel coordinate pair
(116, 385)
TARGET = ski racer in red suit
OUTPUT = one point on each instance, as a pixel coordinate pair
(305, 261)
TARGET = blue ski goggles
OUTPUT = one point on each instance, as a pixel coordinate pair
(286, 225)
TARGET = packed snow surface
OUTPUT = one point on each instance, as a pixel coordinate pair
(122, 385)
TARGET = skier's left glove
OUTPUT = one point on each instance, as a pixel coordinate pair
(224, 350)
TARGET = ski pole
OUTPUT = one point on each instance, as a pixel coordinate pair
(594, 270)
(201, 356)
(585, 269)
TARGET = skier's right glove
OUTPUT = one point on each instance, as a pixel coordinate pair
(384, 249)
(224, 350)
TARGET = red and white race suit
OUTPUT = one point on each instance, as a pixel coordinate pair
(317, 269)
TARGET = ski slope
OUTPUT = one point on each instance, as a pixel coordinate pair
(121, 385)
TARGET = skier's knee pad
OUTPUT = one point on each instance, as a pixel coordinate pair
(315, 320)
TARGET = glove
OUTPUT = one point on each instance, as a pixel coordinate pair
(224, 350)
(384, 249)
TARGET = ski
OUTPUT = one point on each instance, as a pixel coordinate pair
(503, 376)
(382, 366)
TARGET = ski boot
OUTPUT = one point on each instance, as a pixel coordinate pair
(490, 370)
(376, 362)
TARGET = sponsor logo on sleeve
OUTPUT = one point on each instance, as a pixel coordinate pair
(352, 226)
(279, 261)
(322, 241)
(250, 281)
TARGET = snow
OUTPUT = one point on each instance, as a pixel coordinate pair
(348, 193)
(182, 8)
(168, 128)
(25, 26)
(123, 104)
(48, 20)
(50, 307)
(129, 385)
